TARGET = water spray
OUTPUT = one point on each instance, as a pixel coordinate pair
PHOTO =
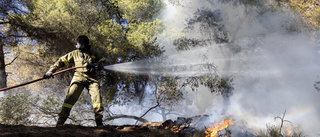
(181, 70)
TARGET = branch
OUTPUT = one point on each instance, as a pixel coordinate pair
(150, 110)
(282, 120)
(15, 36)
(158, 104)
(4, 22)
(12, 61)
(127, 116)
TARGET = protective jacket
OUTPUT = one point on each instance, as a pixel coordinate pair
(83, 78)
(79, 58)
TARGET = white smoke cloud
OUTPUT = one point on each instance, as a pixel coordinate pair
(274, 72)
(283, 80)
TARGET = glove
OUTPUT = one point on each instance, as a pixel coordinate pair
(48, 75)
(91, 68)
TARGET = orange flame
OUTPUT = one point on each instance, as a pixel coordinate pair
(174, 129)
(214, 128)
(288, 131)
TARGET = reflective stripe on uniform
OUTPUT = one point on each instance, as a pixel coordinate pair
(98, 105)
(67, 105)
(65, 61)
(101, 60)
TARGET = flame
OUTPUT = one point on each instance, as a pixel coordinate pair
(288, 131)
(214, 128)
(174, 129)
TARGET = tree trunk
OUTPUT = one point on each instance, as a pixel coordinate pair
(163, 114)
(3, 75)
(226, 94)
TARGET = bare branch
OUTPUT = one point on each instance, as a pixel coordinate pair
(4, 22)
(282, 120)
(16, 36)
(12, 61)
(150, 109)
(158, 104)
(127, 116)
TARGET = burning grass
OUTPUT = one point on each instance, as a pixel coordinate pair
(185, 127)
(216, 127)
(151, 129)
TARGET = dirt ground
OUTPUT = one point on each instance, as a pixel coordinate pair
(81, 131)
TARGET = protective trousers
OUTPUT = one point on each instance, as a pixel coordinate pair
(73, 93)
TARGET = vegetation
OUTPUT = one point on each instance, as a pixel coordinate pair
(274, 131)
(277, 130)
(309, 10)
(34, 33)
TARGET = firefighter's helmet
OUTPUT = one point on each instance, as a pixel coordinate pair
(82, 42)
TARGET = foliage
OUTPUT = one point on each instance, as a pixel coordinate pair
(274, 131)
(309, 10)
(167, 91)
(15, 109)
(210, 24)
(121, 30)
(40, 31)
(9, 36)
(42, 110)
(45, 109)
(277, 131)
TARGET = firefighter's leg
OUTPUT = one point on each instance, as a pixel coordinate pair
(96, 98)
(72, 96)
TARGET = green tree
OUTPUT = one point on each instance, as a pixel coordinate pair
(307, 9)
(16, 109)
(210, 24)
(120, 34)
(9, 36)
(121, 30)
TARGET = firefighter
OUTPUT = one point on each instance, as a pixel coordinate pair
(85, 77)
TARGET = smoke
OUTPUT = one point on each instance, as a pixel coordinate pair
(273, 59)
(281, 80)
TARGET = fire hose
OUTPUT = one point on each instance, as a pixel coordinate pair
(6, 88)
(98, 67)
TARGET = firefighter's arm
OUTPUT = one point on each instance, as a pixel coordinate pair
(61, 62)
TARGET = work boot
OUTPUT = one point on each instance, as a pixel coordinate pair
(59, 125)
(60, 122)
(99, 123)
(63, 116)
